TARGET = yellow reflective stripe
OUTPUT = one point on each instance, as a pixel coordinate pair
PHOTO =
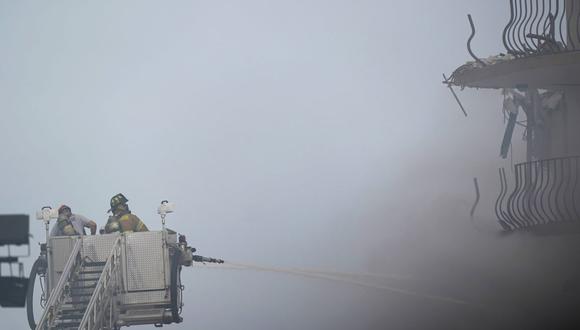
(140, 226)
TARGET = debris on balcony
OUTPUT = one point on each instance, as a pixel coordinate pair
(511, 103)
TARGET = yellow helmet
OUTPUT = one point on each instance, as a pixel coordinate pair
(118, 199)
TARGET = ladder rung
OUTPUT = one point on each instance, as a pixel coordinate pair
(81, 290)
(83, 287)
(92, 286)
(85, 279)
(68, 325)
(82, 294)
(72, 310)
(77, 300)
(95, 263)
(71, 316)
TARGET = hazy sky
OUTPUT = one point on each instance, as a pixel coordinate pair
(293, 134)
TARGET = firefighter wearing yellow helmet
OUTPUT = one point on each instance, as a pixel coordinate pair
(122, 219)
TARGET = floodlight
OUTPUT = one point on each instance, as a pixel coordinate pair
(47, 213)
(165, 207)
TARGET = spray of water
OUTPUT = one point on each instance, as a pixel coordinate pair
(359, 279)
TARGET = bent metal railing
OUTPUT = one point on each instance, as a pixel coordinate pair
(58, 294)
(538, 27)
(545, 191)
(101, 301)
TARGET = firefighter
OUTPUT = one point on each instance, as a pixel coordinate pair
(70, 224)
(122, 219)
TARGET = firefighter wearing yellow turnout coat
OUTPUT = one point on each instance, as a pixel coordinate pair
(122, 219)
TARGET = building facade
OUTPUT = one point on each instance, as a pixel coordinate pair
(540, 78)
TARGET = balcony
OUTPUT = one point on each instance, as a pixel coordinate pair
(545, 192)
(542, 27)
(542, 41)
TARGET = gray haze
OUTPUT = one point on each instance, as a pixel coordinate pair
(310, 134)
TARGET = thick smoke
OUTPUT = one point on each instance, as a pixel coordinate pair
(309, 135)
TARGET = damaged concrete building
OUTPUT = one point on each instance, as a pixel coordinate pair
(539, 76)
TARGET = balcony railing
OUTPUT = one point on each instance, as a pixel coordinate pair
(545, 191)
(540, 27)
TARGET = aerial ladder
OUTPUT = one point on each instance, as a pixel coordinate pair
(112, 280)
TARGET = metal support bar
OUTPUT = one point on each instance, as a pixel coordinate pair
(469, 42)
(446, 81)
(476, 197)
